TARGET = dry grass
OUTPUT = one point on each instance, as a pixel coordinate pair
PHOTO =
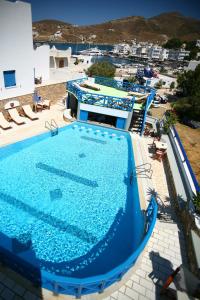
(191, 141)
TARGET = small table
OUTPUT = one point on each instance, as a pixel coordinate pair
(160, 145)
(11, 104)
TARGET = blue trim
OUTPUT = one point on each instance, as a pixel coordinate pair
(77, 286)
(120, 123)
(83, 115)
(196, 184)
(9, 78)
(147, 106)
(109, 101)
(69, 285)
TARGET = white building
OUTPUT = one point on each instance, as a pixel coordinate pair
(16, 50)
(59, 58)
(19, 62)
(179, 54)
(124, 49)
(142, 51)
(198, 43)
(166, 81)
(192, 65)
(155, 52)
(41, 62)
(164, 54)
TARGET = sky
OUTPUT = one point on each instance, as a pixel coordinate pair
(86, 12)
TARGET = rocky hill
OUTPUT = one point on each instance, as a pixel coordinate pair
(155, 29)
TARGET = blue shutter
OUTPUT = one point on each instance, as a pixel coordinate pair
(9, 78)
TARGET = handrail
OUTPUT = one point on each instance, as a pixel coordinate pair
(52, 126)
(47, 125)
(195, 182)
(53, 123)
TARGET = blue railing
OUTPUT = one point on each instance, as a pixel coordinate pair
(147, 106)
(195, 182)
(121, 85)
(92, 98)
(109, 101)
(75, 286)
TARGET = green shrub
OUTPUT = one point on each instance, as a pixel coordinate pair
(170, 120)
(172, 85)
(196, 201)
(159, 84)
(104, 69)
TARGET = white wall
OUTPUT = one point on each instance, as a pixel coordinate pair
(41, 62)
(168, 80)
(16, 47)
(104, 110)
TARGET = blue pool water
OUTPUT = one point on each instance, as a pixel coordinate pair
(68, 200)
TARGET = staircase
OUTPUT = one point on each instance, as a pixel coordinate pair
(137, 120)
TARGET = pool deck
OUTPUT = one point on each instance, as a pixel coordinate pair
(164, 252)
(31, 128)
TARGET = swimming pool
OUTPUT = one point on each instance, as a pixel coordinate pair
(68, 208)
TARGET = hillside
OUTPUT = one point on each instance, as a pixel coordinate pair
(155, 29)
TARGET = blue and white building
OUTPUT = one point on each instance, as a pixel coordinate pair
(20, 63)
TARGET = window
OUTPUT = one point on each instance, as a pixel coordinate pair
(9, 78)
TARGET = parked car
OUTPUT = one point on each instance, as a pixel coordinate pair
(191, 123)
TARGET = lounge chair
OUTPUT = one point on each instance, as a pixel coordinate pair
(3, 122)
(90, 85)
(29, 113)
(14, 115)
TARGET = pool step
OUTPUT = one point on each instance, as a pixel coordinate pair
(52, 126)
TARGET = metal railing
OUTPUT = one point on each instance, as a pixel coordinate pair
(126, 104)
(175, 139)
(147, 106)
(52, 126)
(93, 98)
(75, 286)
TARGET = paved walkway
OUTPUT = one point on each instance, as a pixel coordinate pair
(164, 252)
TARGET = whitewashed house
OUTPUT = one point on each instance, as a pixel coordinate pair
(41, 62)
(179, 54)
(155, 52)
(59, 58)
(16, 49)
(123, 49)
(20, 63)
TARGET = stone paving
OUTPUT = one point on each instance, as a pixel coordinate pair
(165, 250)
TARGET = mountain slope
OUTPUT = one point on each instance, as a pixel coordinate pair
(155, 29)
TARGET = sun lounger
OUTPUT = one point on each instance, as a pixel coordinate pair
(3, 122)
(135, 94)
(15, 116)
(29, 113)
(90, 85)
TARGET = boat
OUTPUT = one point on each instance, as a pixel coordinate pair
(92, 52)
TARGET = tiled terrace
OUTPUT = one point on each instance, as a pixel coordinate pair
(164, 252)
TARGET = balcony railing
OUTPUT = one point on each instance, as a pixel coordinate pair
(92, 98)
(126, 104)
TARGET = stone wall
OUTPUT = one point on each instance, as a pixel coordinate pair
(54, 93)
